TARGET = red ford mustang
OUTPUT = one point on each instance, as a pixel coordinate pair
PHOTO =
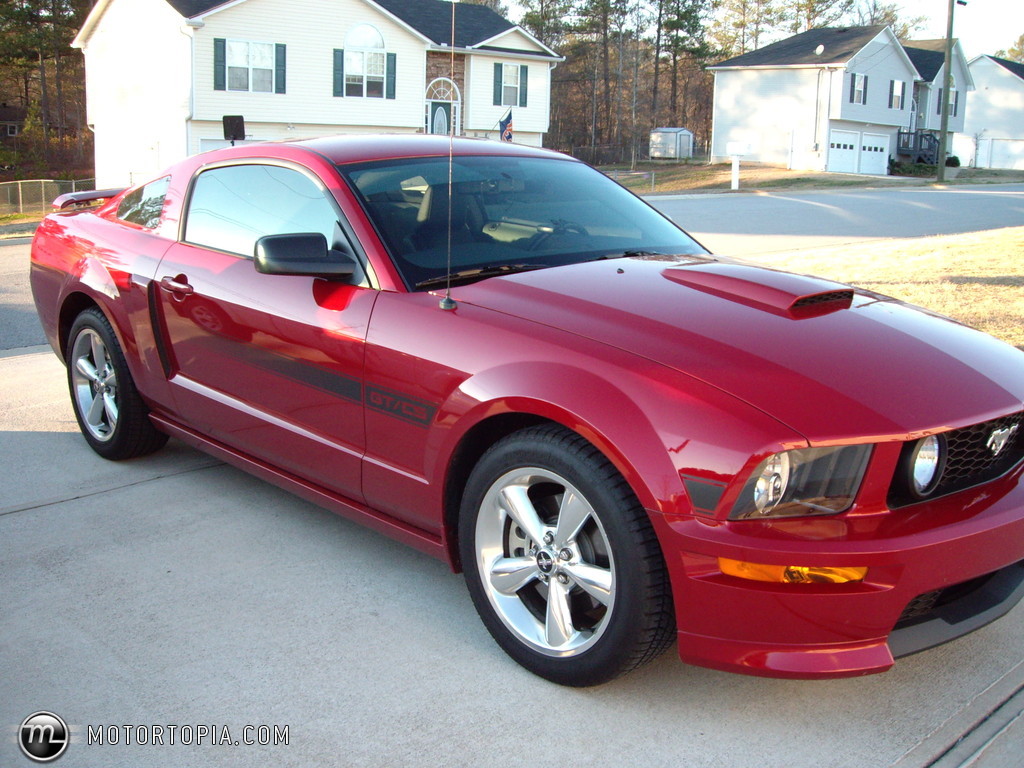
(498, 356)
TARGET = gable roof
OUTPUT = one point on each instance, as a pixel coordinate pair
(1013, 66)
(928, 56)
(190, 8)
(839, 45)
(474, 24)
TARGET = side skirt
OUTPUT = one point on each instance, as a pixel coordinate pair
(407, 534)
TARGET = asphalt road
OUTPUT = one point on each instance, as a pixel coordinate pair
(176, 591)
(19, 325)
(749, 224)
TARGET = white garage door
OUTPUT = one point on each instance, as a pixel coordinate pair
(1007, 153)
(842, 151)
(874, 154)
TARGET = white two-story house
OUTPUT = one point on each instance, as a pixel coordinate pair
(161, 75)
(832, 99)
(920, 141)
(993, 134)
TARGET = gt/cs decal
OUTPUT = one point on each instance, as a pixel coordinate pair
(399, 406)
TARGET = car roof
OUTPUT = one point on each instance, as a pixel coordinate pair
(363, 148)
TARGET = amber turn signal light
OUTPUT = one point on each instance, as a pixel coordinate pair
(791, 574)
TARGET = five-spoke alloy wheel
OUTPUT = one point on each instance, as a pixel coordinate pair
(110, 413)
(561, 561)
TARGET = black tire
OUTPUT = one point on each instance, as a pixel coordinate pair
(561, 560)
(113, 419)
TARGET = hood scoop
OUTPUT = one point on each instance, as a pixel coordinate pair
(793, 296)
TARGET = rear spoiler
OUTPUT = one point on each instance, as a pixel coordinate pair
(78, 199)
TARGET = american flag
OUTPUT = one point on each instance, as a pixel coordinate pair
(505, 124)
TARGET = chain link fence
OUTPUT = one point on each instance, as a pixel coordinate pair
(36, 195)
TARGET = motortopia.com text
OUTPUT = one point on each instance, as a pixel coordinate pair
(171, 735)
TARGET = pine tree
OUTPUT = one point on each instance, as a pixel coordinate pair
(812, 14)
(547, 20)
(742, 25)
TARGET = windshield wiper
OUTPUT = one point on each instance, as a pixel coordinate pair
(469, 275)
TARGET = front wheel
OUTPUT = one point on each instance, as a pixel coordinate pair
(113, 419)
(561, 560)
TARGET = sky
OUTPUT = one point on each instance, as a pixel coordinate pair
(983, 26)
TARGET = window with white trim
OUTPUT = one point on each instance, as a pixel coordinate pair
(954, 101)
(858, 88)
(250, 66)
(510, 85)
(897, 91)
(365, 62)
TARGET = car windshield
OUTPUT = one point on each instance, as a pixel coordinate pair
(502, 211)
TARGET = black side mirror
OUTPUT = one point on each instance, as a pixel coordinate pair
(302, 254)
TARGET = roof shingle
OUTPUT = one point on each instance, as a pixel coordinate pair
(839, 45)
(431, 18)
(1013, 66)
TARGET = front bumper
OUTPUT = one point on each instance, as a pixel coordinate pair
(936, 571)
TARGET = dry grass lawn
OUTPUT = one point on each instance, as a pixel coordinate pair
(700, 177)
(976, 278)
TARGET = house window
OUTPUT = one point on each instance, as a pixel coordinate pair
(250, 66)
(858, 89)
(240, 65)
(365, 63)
(954, 102)
(896, 94)
(510, 84)
(12, 130)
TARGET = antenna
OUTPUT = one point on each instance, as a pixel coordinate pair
(448, 303)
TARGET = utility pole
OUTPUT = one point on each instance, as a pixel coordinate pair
(947, 79)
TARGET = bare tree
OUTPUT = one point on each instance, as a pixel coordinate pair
(872, 12)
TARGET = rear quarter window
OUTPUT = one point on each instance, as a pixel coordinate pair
(144, 206)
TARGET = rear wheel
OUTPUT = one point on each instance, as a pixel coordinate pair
(113, 419)
(561, 560)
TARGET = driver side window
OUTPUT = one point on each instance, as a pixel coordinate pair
(231, 207)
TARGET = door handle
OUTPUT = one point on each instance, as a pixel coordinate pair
(178, 285)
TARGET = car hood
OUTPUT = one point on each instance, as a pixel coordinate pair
(830, 362)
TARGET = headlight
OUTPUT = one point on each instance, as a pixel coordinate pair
(806, 481)
(926, 464)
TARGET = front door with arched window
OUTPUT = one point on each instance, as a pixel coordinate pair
(443, 107)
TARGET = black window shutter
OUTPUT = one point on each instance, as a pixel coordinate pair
(938, 103)
(865, 100)
(279, 68)
(389, 86)
(524, 72)
(220, 64)
(956, 102)
(497, 84)
(339, 72)
(853, 85)
(892, 91)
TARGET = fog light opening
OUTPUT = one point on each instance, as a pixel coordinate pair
(791, 574)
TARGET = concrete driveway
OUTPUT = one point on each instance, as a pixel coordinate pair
(176, 595)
